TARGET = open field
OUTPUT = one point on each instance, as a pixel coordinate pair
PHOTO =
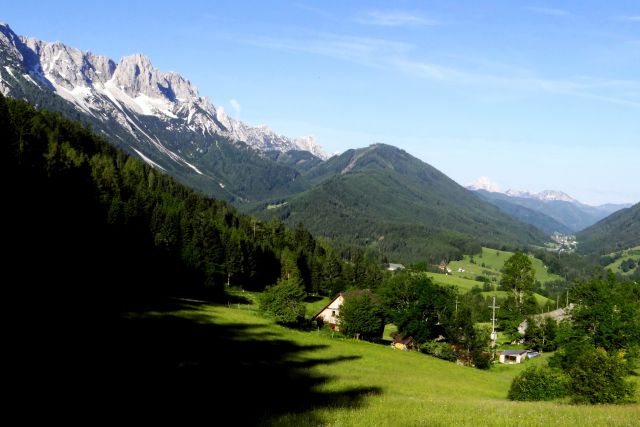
(310, 378)
(633, 253)
(490, 262)
(462, 283)
(465, 285)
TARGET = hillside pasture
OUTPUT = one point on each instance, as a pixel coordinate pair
(490, 262)
(245, 366)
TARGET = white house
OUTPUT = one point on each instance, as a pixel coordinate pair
(512, 356)
(330, 314)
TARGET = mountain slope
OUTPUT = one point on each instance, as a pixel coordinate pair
(524, 214)
(382, 197)
(572, 215)
(156, 116)
(620, 230)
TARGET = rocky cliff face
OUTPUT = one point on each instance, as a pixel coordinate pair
(130, 90)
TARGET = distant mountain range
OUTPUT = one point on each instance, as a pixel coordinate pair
(550, 211)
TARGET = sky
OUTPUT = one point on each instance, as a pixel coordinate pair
(534, 95)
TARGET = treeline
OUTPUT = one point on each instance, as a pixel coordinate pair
(598, 348)
(88, 217)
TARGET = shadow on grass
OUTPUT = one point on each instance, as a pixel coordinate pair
(156, 360)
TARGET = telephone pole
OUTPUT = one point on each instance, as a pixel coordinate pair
(494, 336)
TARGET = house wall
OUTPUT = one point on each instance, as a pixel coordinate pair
(327, 314)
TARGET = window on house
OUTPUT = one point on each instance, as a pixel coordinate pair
(333, 313)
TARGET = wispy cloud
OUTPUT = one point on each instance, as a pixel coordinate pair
(402, 57)
(366, 50)
(235, 105)
(393, 18)
(634, 18)
(549, 11)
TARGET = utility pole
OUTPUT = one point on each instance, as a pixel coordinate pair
(567, 299)
(456, 305)
(494, 336)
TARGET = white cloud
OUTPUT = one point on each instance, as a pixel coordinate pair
(390, 18)
(236, 106)
(549, 11)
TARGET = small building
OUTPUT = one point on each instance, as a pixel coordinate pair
(512, 356)
(558, 315)
(330, 314)
(395, 267)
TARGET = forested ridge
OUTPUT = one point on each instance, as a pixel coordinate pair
(96, 220)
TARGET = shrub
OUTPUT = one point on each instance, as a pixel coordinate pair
(599, 377)
(284, 301)
(538, 383)
(441, 350)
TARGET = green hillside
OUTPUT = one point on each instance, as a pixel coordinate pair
(489, 264)
(627, 256)
(619, 231)
(384, 198)
(324, 380)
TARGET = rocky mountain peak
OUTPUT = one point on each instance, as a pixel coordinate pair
(106, 90)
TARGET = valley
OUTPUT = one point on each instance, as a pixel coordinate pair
(174, 258)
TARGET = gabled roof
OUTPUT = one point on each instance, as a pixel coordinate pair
(355, 292)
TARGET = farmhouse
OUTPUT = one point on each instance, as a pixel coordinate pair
(558, 315)
(512, 356)
(330, 314)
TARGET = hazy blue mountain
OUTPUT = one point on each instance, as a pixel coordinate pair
(524, 214)
(620, 230)
(563, 209)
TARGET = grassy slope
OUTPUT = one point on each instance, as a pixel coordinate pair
(493, 261)
(412, 389)
(461, 283)
(633, 253)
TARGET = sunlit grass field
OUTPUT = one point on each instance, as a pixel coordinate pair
(404, 388)
(493, 261)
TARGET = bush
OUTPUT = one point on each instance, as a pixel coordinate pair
(441, 350)
(538, 383)
(599, 377)
(284, 301)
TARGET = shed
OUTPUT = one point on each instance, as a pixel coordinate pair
(395, 267)
(512, 356)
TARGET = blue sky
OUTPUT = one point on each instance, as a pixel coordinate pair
(534, 95)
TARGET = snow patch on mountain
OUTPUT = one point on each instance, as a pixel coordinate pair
(484, 183)
(114, 91)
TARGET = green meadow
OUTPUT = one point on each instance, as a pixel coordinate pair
(633, 253)
(490, 262)
(328, 380)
